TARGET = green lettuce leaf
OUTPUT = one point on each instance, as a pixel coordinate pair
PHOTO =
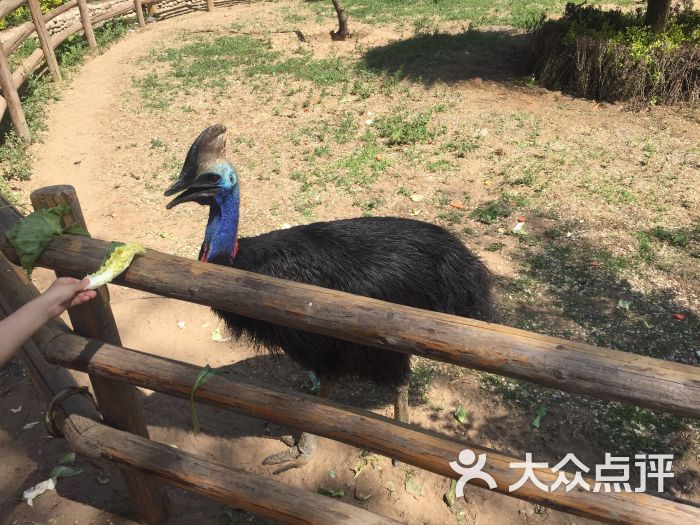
(30, 236)
(118, 259)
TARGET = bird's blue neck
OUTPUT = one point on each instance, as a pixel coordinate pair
(221, 237)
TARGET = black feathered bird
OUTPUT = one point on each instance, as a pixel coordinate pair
(402, 261)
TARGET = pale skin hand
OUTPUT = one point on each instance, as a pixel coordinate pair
(64, 293)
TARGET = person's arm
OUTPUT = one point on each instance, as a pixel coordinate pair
(18, 327)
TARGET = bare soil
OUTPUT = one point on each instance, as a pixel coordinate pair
(101, 139)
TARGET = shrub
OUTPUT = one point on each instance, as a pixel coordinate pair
(21, 14)
(611, 55)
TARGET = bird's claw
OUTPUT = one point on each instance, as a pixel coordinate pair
(293, 458)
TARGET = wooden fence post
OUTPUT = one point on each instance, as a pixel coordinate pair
(118, 402)
(210, 5)
(44, 39)
(139, 13)
(9, 92)
(87, 25)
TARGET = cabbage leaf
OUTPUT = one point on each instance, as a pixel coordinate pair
(118, 259)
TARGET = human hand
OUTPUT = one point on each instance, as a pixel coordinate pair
(64, 293)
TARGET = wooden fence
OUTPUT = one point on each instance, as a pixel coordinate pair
(122, 437)
(11, 81)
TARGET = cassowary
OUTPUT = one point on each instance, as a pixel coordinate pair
(402, 261)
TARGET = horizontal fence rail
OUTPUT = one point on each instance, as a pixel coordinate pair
(80, 424)
(425, 449)
(558, 363)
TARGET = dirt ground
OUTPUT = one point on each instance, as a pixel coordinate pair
(101, 140)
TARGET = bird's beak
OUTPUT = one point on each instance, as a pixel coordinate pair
(206, 150)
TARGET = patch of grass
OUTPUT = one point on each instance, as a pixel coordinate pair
(450, 216)
(434, 166)
(500, 208)
(369, 206)
(425, 15)
(462, 145)
(322, 72)
(685, 239)
(362, 167)
(401, 129)
(495, 247)
(423, 374)
(39, 90)
(645, 249)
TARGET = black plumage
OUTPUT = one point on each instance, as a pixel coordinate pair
(401, 261)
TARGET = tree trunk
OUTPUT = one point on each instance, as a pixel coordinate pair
(342, 32)
(657, 15)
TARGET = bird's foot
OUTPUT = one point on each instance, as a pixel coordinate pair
(295, 456)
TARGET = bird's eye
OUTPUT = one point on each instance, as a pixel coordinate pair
(213, 179)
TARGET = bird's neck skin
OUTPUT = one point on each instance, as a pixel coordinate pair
(221, 237)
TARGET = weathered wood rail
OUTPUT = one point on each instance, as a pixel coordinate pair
(574, 367)
(11, 81)
(81, 426)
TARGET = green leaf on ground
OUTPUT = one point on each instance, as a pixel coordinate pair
(62, 471)
(461, 414)
(541, 412)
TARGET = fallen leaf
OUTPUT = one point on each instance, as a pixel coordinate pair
(333, 493)
(62, 471)
(216, 336)
(416, 198)
(457, 204)
(38, 490)
(541, 412)
(461, 414)
(16, 410)
(678, 316)
(624, 304)
(521, 218)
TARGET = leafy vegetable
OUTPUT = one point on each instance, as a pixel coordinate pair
(205, 375)
(461, 414)
(30, 236)
(119, 257)
(541, 412)
(62, 471)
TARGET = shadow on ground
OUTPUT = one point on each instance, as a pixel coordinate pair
(495, 54)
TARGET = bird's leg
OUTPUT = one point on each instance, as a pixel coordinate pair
(298, 455)
(400, 409)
